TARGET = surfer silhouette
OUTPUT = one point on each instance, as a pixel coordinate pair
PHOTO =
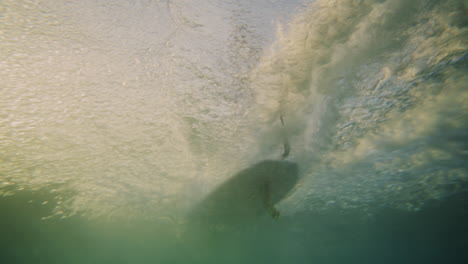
(267, 203)
(250, 193)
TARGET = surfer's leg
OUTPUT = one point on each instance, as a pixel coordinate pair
(287, 147)
(274, 212)
(267, 202)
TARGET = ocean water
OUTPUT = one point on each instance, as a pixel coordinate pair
(120, 118)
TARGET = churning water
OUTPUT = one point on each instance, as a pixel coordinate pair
(117, 118)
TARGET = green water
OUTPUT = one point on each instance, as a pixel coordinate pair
(434, 235)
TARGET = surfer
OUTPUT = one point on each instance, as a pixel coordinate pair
(250, 193)
(267, 202)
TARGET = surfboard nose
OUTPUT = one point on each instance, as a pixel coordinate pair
(281, 175)
(283, 169)
(292, 168)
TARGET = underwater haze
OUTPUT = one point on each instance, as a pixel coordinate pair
(119, 119)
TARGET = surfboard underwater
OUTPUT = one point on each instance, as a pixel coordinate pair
(249, 194)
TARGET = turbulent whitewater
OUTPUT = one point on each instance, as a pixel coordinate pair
(142, 108)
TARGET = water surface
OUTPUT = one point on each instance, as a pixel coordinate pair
(117, 118)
